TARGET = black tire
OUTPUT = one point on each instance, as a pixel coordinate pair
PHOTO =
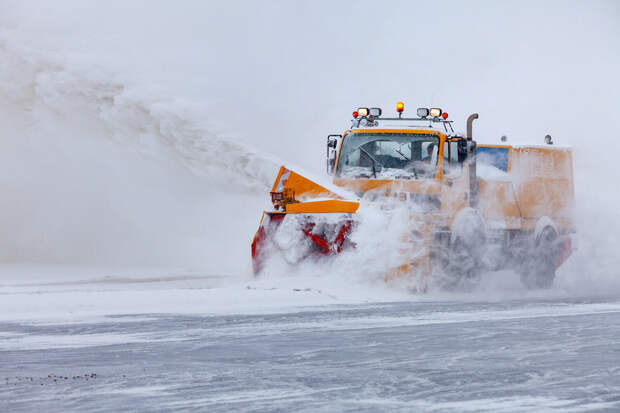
(457, 267)
(539, 269)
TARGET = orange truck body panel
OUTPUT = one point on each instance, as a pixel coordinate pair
(304, 187)
(323, 207)
(539, 184)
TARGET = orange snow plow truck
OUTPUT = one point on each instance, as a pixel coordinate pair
(474, 207)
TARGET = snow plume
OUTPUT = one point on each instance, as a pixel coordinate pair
(97, 171)
(147, 124)
(382, 238)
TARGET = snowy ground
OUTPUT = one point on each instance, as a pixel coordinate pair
(147, 342)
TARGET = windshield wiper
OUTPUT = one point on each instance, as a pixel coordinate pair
(415, 174)
(374, 171)
(410, 167)
(403, 155)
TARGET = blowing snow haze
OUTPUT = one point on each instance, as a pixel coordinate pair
(146, 133)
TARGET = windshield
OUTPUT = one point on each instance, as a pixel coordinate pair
(388, 156)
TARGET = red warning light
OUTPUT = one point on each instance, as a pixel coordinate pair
(355, 114)
(444, 115)
(400, 106)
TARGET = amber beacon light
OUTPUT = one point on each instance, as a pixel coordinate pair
(400, 107)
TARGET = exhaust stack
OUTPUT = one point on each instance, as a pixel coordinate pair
(471, 158)
(470, 120)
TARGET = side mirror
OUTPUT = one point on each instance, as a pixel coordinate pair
(462, 150)
(332, 145)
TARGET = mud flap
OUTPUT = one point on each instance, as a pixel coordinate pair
(268, 224)
(565, 249)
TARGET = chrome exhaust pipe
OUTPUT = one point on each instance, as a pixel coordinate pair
(471, 156)
(470, 120)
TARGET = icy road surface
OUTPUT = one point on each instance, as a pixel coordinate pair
(525, 355)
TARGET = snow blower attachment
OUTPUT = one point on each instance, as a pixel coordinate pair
(298, 229)
(474, 206)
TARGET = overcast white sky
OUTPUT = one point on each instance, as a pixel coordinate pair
(282, 75)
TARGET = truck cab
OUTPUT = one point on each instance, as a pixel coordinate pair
(418, 159)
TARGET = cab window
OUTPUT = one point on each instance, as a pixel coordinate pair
(388, 156)
(451, 165)
(495, 157)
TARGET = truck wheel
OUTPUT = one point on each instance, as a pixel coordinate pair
(456, 267)
(539, 271)
(462, 264)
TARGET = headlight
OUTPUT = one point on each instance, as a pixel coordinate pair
(422, 112)
(376, 112)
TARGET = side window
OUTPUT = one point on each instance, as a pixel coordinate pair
(446, 158)
(495, 157)
(451, 165)
(454, 155)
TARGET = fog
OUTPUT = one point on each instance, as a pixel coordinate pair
(147, 133)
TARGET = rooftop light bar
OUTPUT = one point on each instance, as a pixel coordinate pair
(424, 114)
(369, 117)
